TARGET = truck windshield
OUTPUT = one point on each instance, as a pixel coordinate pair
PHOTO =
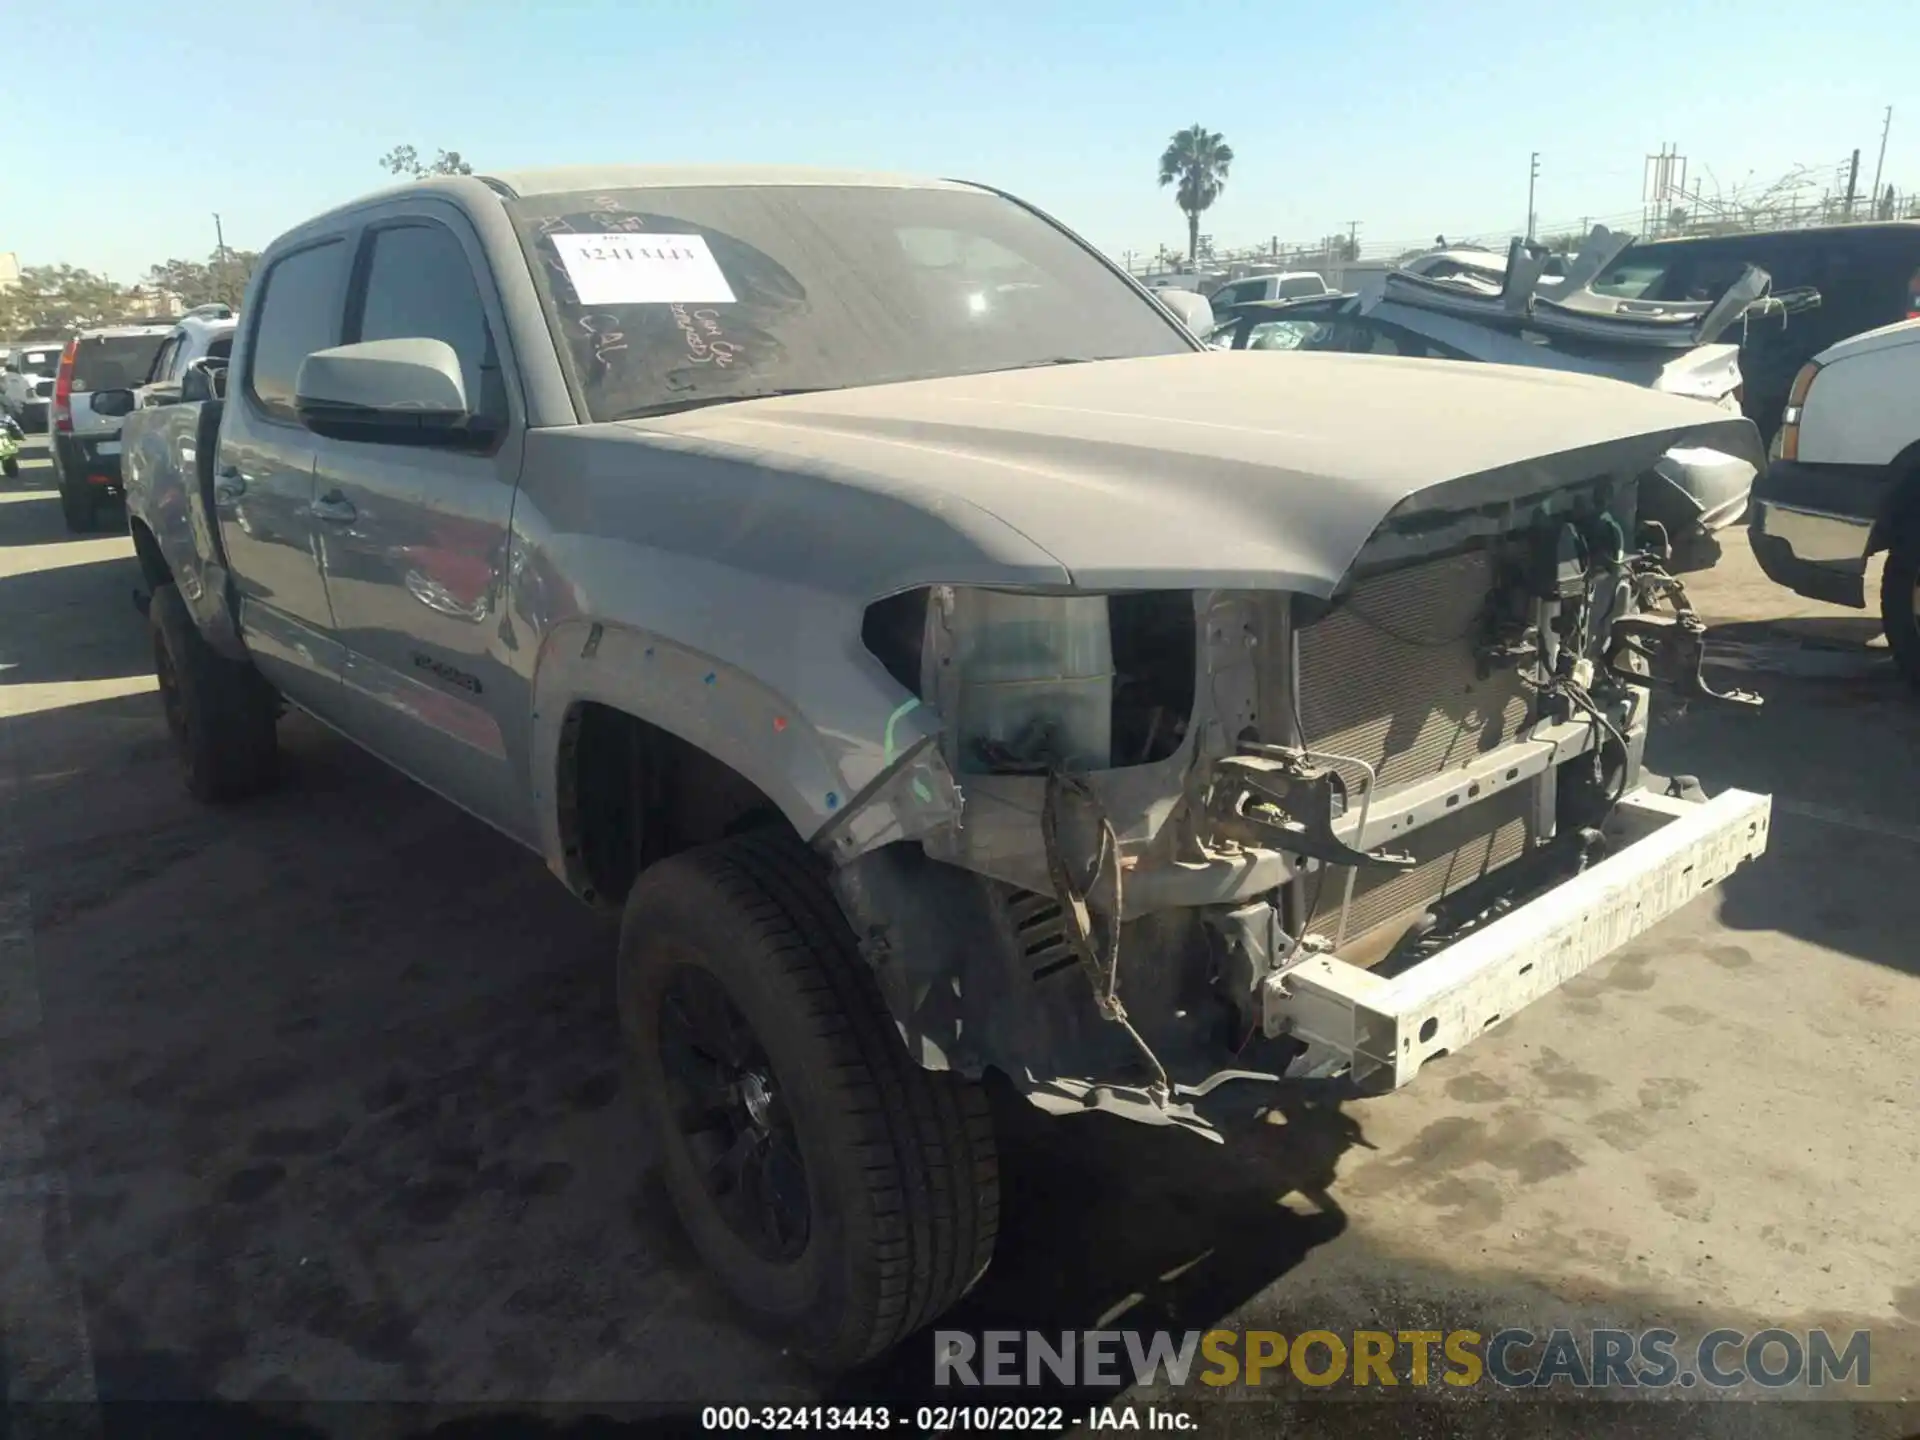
(114, 362)
(40, 362)
(668, 298)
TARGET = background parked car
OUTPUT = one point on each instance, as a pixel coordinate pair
(1472, 263)
(1844, 483)
(204, 334)
(26, 384)
(1290, 285)
(1868, 275)
(86, 445)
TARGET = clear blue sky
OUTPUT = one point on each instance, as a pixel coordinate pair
(1413, 118)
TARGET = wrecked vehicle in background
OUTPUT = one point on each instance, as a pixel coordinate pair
(1866, 274)
(1515, 315)
(944, 664)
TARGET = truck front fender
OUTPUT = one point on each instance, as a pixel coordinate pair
(866, 774)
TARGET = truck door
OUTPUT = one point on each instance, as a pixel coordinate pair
(415, 540)
(263, 478)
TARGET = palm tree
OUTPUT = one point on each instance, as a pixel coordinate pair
(1198, 159)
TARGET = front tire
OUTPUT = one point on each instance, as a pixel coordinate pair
(842, 1195)
(10, 467)
(221, 713)
(1900, 600)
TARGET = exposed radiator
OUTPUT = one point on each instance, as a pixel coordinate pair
(1391, 675)
(1451, 853)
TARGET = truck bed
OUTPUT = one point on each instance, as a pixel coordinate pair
(167, 460)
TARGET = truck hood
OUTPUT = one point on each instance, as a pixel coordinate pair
(1222, 468)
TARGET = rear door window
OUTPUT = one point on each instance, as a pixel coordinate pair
(114, 362)
(300, 309)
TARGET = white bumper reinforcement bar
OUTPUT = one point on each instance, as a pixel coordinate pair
(1385, 1029)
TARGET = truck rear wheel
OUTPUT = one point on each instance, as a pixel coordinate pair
(843, 1195)
(1900, 600)
(221, 713)
(76, 507)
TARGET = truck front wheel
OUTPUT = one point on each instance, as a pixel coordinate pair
(843, 1195)
(221, 713)
(1900, 600)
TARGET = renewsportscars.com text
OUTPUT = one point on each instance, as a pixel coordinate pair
(1512, 1358)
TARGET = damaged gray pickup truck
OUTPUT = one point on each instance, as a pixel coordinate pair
(943, 662)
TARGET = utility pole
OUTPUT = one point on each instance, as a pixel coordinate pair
(1853, 182)
(219, 256)
(1881, 163)
(1353, 239)
(1533, 174)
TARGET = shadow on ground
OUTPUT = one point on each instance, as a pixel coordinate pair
(1825, 632)
(93, 598)
(1843, 881)
(30, 512)
(343, 1112)
(342, 1115)
(1111, 1224)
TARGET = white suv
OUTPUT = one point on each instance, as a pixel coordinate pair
(1291, 285)
(1843, 483)
(26, 383)
(203, 334)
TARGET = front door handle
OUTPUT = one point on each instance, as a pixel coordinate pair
(335, 509)
(228, 486)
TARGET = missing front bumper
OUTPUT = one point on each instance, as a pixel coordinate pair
(1384, 1029)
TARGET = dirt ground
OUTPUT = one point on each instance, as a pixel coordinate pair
(320, 1099)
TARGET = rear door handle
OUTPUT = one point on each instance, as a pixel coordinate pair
(335, 509)
(228, 486)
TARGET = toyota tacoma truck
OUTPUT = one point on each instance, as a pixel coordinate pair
(942, 661)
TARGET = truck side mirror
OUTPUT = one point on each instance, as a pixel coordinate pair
(398, 392)
(113, 402)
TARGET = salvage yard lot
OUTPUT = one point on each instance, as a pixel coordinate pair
(321, 1098)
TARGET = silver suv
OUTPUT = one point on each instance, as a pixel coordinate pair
(86, 445)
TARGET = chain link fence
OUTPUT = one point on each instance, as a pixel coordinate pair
(1808, 195)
